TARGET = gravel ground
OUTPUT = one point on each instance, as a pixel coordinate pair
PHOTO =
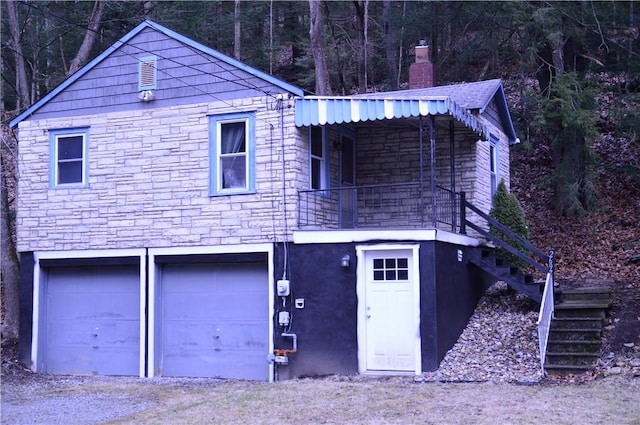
(498, 348)
(500, 343)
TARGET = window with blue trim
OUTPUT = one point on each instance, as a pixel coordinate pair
(232, 145)
(68, 152)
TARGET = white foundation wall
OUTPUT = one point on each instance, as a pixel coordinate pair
(148, 181)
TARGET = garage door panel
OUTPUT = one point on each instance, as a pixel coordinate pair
(58, 306)
(92, 320)
(200, 305)
(215, 320)
(118, 307)
(228, 336)
(70, 332)
(115, 361)
(119, 334)
(216, 364)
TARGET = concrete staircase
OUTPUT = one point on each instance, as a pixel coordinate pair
(575, 338)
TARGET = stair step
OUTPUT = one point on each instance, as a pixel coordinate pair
(576, 323)
(594, 310)
(596, 291)
(566, 369)
(574, 346)
(576, 334)
(582, 304)
(571, 358)
(486, 260)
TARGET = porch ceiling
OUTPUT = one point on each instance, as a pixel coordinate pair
(321, 110)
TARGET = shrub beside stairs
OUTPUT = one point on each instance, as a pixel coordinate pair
(579, 315)
(575, 337)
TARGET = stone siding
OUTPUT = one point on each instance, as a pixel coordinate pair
(149, 181)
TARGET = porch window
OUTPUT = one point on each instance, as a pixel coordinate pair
(493, 165)
(232, 154)
(68, 158)
(318, 158)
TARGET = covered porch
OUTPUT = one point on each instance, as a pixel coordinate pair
(400, 161)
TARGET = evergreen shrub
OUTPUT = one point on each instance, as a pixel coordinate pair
(508, 211)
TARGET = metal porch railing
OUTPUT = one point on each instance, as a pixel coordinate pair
(403, 205)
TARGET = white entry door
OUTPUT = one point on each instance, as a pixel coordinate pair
(390, 311)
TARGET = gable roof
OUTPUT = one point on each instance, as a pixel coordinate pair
(169, 33)
(458, 100)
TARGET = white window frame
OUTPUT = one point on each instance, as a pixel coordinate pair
(216, 177)
(54, 169)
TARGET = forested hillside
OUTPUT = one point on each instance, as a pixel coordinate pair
(571, 72)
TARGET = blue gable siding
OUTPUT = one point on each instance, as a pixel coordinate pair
(187, 73)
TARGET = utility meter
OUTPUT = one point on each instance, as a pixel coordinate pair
(283, 288)
(283, 318)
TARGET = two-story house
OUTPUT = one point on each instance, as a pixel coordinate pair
(183, 214)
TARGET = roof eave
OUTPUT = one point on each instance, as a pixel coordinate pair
(79, 73)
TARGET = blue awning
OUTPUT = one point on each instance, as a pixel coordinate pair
(321, 110)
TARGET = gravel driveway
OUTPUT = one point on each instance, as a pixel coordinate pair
(341, 400)
(486, 378)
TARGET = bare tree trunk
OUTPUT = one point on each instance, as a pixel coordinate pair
(9, 264)
(23, 100)
(89, 37)
(323, 86)
(389, 48)
(237, 30)
(362, 7)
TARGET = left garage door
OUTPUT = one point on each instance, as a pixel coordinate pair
(92, 320)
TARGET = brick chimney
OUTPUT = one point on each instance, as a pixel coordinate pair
(421, 71)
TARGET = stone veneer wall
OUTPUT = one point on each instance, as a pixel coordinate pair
(149, 182)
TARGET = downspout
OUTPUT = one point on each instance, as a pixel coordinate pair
(432, 137)
(421, 177)
(284, 192)
(452, 164)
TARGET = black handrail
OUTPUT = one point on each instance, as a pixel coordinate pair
(519, 241)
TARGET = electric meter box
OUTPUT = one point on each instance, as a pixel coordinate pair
(283, 288)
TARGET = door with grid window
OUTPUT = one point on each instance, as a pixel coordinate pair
(391, 325)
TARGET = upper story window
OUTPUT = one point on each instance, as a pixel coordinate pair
(318, 158)
(68, 157)
(232, 142)
(493, 165)
(147, 73)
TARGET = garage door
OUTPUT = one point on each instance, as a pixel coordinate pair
(215, 320)
(92, 317)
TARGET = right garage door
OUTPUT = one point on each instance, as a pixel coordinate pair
(215, 320)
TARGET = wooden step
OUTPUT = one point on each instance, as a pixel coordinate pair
(591, 292)
(571, 359)
(573, 346)
(576, 323)
(575, 334)
(561, 369)
(580, 308)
